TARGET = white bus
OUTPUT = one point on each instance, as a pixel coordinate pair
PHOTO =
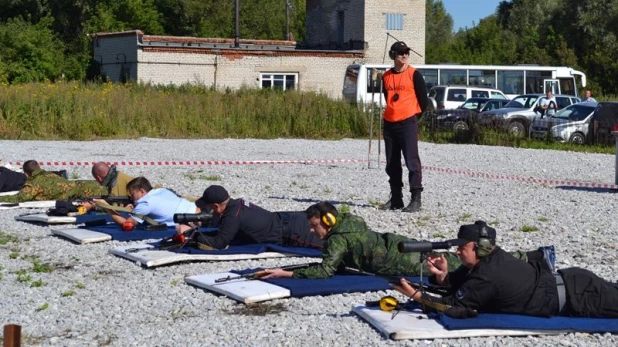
(362, 85)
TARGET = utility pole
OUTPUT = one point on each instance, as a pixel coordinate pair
(287, 20)
(237, 23)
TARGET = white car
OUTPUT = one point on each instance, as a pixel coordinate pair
(452, 96)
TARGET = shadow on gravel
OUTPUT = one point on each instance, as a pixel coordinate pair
(257, 309)
(314, 201)
(589, 189)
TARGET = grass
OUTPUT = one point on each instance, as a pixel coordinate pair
(543, 219)
(38, 267)
(68, 293)
(6, 238)
(91, 111)
(438, 236)
(174, 283)
(36, 284)
(464, 217)
(257, 309)
(529, 228)
(80, 285)
(344, 208)
(42, 307)
(13, 255)
(494, 222)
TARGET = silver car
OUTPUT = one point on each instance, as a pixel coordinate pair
(569, 124)
(596, 128)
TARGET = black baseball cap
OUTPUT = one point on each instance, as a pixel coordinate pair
(400, 47)
(470, 233)
(212, 195)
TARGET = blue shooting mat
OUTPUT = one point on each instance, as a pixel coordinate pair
(248, 249)
(338, 284)
(116, 232)
(512, 322)
(93, 217)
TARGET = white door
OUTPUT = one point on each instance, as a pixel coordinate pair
(553, 85)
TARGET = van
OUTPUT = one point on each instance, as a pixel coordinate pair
(452, 96)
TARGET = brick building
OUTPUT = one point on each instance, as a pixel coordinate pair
(338, 33)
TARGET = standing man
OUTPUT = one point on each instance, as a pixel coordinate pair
(406, 99)
(588, 96)
(548, 105)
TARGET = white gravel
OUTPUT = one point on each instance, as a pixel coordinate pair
(115, 302)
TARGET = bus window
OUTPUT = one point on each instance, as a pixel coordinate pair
(511, 82)
(350, 83)
(374, 86)
(567, 86)
(453, 76)
(431, 77)
(534, 81)
(485, 78)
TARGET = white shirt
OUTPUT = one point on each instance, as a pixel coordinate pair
(545, 102)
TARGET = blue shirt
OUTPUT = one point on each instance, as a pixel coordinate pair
(161, 204)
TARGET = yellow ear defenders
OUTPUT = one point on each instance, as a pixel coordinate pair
(386, 303)
(329, 219)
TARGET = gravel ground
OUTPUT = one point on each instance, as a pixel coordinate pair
(93, 298)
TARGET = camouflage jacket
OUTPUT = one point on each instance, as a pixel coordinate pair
(350, 243)
(43, 185)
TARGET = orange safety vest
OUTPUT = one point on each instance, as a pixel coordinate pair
(401, 84)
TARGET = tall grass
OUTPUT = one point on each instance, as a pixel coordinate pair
(76, 111)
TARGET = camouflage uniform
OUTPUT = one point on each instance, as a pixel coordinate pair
(350, 243)
(43, 185)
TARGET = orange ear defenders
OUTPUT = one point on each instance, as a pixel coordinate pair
(329, 219)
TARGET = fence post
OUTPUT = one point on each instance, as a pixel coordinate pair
(615, 134)
(12, 335)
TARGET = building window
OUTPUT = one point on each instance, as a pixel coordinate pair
(283, 81)
(394, 21)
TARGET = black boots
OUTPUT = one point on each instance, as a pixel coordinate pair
(394, 203)
(415, 202)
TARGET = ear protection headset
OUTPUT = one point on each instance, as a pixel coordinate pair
(483, 245)
(327, 218)
(392, 54)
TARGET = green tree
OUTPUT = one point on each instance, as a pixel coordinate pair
(438, 32)
(30, 52)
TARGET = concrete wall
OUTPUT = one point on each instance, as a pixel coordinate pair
(316, 73)
(413, 33)
(117, 55)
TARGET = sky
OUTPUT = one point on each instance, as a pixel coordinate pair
(464, 12)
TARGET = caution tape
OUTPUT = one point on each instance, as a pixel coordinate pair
(189, 163)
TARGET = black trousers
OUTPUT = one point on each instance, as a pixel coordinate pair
(402, 137)
(296, 231)
(588, 295)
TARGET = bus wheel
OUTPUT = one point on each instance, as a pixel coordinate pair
(577, 138)
(516, 128)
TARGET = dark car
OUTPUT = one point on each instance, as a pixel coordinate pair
(458, 118)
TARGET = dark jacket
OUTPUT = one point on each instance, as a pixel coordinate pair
(501, 283)
(244, 223)
(11, 180)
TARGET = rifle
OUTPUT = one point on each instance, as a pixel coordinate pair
(261, 273)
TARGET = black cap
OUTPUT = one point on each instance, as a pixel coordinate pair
(470, 233)
(212, 195)
(400, 47)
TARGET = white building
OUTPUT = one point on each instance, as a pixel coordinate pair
(338, 33)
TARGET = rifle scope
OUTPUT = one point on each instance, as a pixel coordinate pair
(184, 218)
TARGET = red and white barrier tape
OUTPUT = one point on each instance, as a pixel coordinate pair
(194, 163)
(549, 182)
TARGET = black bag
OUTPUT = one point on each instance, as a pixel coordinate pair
(63, 208)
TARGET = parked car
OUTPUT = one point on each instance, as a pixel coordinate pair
(576, 118)
(452, 96)
(458, 119)
(594, 129)
(519, 113)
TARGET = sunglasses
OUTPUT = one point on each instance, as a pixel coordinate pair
(403, 53)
